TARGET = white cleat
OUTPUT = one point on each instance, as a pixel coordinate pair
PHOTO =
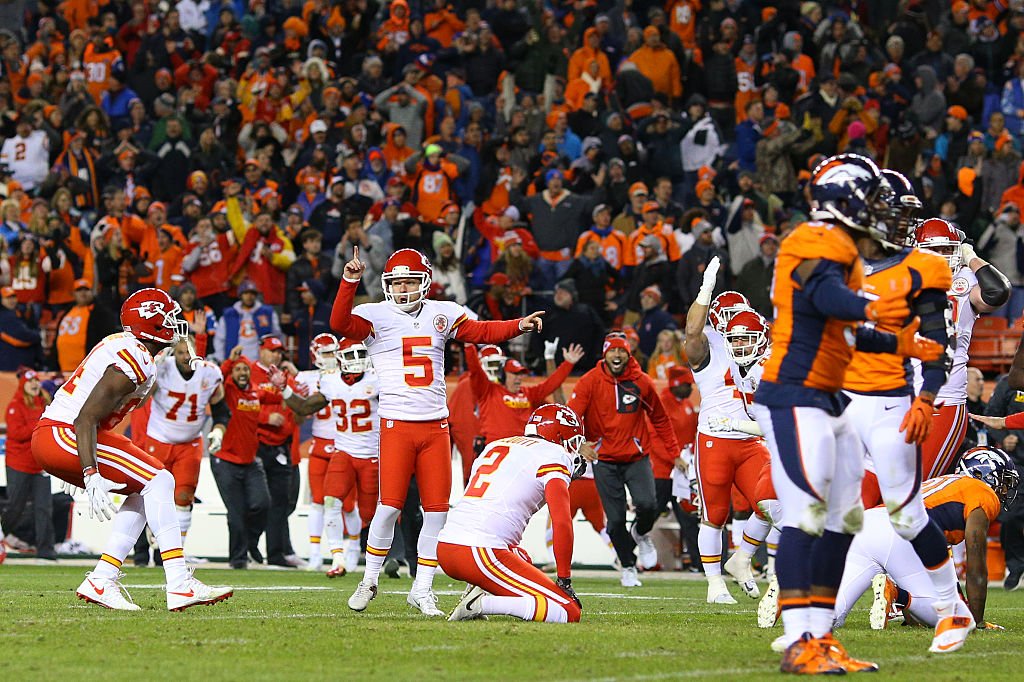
(469, 606)
(338, 568)
(360, 599)
(425, 603)
(647, 553)
(315, 564)
(883, 593)
(194, 592)
(718, 591)
(629, 578)
(951, 631)
(780, 644)
(738, 566)
(107, 592)
(352, 554)
(768, 607)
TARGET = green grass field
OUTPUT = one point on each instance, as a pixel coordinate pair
(296, 625)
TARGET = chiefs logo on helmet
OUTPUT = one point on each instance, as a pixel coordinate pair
(152, 315)
(559, 424)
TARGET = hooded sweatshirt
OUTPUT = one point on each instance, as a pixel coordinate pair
(929, 104)
(613, 410)
(21, 421)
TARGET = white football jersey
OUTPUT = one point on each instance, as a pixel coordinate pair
(407, 350)
(954, 391)
(179, 405)
(122, 351)
(28, 158)
(721, 395)
(324, 425)
(351, 417)
(506, 488)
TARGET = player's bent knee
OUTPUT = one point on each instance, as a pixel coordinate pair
(573, 613)
(908, 522)
(161, 484)
(770, 511)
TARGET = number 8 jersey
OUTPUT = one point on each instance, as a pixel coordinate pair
(179, 404)
(407, 351)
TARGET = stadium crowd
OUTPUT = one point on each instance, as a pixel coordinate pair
(587, 158)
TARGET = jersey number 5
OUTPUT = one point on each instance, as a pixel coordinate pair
(488, 465)
(423, 374)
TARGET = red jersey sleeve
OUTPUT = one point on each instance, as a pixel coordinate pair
(659, 417)
(477, 377)
(556, 493)
(491, 331)
(1015, 421)
(539, 392)
(342, 320)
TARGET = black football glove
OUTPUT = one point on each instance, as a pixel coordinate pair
(565, 585)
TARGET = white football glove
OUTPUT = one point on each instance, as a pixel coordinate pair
(720, 423)
(215, 441)
(101, 507)
(550, 347)
(707, 287)
(967, 254)
(69, 488)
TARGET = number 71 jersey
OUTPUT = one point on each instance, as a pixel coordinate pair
(179, 404)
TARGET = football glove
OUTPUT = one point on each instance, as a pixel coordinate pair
(720, 423)
(549, 349)
(565, 585)
(891, 310)
(710, 278)
(101, 507)
(215, 441)
(69, 488)
(967, 254)
(910, 344)
(917, 422)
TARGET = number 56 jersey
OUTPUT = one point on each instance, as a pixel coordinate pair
(506, 488)
(179, 404)
(407, 350)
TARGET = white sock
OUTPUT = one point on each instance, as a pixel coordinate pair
(754, 532)
(184, 520)
(382, 534)
(158, 497)
(821, 620)
(518, 607)
(944, 581)
(426, 550)
(128, 523)
(796, 622)
(709, 542)
(736, 533)
(333, 525)
(353, 524)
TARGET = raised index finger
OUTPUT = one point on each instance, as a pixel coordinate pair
(355, 252)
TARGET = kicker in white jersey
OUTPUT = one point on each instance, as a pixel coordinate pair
(506, 488)
(179, 404)
(954, 391)
(722, 387)
(122, 351)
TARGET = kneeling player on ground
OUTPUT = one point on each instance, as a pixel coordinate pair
(511, 480)
(75, 442)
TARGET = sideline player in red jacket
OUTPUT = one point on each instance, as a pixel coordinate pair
(613, 400)
(25, 478)
(406, 335)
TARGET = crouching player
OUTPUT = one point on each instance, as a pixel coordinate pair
(963, 505)
(511, 480)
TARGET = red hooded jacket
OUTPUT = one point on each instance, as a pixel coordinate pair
(21, 421)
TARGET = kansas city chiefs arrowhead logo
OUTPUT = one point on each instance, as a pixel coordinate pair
(150, 309)
(440, 323)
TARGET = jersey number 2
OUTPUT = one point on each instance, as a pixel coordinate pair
(488, 465)
(423, 374)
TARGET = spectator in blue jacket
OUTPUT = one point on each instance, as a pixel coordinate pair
(748, 133)
(653, 319)
(312, 318)
(19, 344)
(244, 324)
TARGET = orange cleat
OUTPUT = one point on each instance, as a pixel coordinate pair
(809, 656)
(838, 653)
(883, 604)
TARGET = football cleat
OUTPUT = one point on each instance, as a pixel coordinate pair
(469, 606)
(951, 631)
(629, 578)
(338, 568)
(360, 599)
(883, 604)
(780, 644)
(768, 607)
(107, 592)
(738, 566)
(718, 591)
(647, 553)
(837, 652)
(352, 554)
(424, 602)
(315, 564)
(194, 592)
(809, 656)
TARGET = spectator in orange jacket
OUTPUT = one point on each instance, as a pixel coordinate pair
(590, 51)
(659, 65)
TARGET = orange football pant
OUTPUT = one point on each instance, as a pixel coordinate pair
(938, 452)
(319, 457)
(420, 448)
(583, 496)
(353, 479)
(182, 460)
(722, 463)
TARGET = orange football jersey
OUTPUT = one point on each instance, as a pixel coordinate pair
(808, 350)
(951, 499)
(910, 270)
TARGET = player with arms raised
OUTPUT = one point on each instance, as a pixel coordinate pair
(176, 416)
(74, 441)
(405, 335)
(512, 479)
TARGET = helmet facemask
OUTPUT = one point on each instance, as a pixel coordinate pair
(745, 346)
(354, 359)
(409, 301)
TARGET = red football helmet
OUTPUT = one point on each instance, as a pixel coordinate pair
(323, 351)
(492, 359)
(152, 314)
(943, 238)
(746, 337)
(407, 264)
(559, 424)
(353, 357)
(725, 305)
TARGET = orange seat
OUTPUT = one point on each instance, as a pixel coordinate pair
(991, 323)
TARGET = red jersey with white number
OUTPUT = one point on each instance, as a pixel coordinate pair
(719, 394)
(351, 417)
(506, 488)
(407, 350)
(122, 351)
(954, 391)
(211, 274)
(179, 404)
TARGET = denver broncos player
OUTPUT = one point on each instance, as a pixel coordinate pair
(977, 288)
(815, 457)
(727, 454)
(75, 442)
(406, 335)
(963, 505)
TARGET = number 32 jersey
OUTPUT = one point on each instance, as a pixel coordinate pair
(350, 418)
(407, 350)
(506, 488)
(179, 404)
(122, 351)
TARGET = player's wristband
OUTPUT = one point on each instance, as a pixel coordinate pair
(88, 471)
(287, 392)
